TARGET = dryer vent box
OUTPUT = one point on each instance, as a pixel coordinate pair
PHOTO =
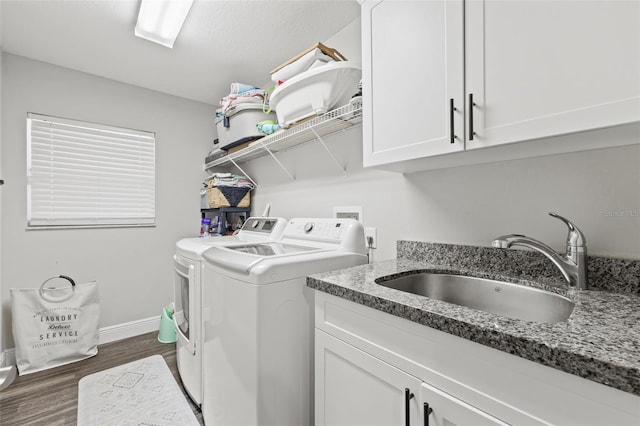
(348, 212)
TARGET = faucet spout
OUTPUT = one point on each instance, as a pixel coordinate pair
(566, 266)
(573, 265)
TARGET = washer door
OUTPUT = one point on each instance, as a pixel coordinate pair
(184, 292)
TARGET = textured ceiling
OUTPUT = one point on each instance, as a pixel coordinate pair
(222, 41)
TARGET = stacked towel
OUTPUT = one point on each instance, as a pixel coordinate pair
(238, 95)
(228, 179)
(310, 60)
(239, 88)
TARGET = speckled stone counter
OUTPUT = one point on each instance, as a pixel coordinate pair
(599, 342)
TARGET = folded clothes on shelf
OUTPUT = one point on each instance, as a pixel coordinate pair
(240, 94)
(229, 179)
(233, 103)
(240, 88)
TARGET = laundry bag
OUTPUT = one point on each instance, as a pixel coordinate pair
(54, 326)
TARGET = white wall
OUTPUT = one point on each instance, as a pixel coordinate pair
(133, 266)
(1, 322)
(599, 190)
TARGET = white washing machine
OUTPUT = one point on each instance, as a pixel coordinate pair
(258, 321)
(188, 294)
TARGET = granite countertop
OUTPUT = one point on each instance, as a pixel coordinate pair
(599, 342)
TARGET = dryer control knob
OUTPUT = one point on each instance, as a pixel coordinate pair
(308, 227)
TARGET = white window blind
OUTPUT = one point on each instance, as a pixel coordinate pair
(87, 175)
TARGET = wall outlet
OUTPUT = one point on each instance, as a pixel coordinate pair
(371, 237)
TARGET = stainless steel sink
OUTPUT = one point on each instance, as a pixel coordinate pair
(497, 297)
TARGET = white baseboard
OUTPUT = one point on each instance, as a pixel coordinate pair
(128, 329)
(107, 335)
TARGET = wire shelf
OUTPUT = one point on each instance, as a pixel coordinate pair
(333, 121)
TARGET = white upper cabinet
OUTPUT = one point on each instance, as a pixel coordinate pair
(412, 58)
(544, 68)
(516, 71)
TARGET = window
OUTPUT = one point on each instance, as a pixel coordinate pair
(88, 175)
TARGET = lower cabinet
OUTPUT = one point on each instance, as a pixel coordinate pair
(355, 388)
(441, 409)
(374, 368)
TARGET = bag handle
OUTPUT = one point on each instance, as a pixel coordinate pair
(57, 299)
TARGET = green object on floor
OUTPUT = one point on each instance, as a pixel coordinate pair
(167, 333)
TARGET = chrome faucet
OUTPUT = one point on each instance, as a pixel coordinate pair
(573, 265)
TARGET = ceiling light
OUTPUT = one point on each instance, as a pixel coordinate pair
(160, 21)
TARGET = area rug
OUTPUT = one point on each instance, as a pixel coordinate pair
(142, 392)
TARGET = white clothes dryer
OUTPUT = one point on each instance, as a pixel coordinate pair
(188, 294)
(258, 321)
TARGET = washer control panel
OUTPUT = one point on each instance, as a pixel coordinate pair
(315, 229)
(336, 233)
(264, 225)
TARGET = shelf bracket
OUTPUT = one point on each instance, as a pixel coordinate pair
(243, 172)
(319, 138)
(277, 161)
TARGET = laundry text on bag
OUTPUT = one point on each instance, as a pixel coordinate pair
(58, 318)
(56, 334)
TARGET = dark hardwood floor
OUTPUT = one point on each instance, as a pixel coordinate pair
(50, 397)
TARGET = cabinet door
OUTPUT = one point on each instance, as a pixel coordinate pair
(544, 68)
(412, 53)
(353, 388)
(444, 410)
